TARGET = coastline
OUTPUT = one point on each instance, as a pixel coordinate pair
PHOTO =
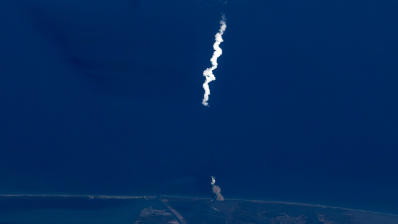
(164, 196)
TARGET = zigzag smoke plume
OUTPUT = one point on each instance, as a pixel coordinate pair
(208, 73)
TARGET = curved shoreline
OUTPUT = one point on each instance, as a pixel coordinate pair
(152, 197)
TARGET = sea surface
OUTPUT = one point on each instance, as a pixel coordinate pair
(104, 97)
(37, 210)
(87, 209)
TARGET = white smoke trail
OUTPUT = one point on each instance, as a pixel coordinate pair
(208, 73)
(216, 189)
(213, 180)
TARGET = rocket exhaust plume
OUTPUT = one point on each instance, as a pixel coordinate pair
(216, 189)
(208, 73)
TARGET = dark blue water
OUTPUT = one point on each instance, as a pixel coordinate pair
(100, 97)
(68, 210)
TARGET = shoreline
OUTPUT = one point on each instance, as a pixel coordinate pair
(162, 196)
